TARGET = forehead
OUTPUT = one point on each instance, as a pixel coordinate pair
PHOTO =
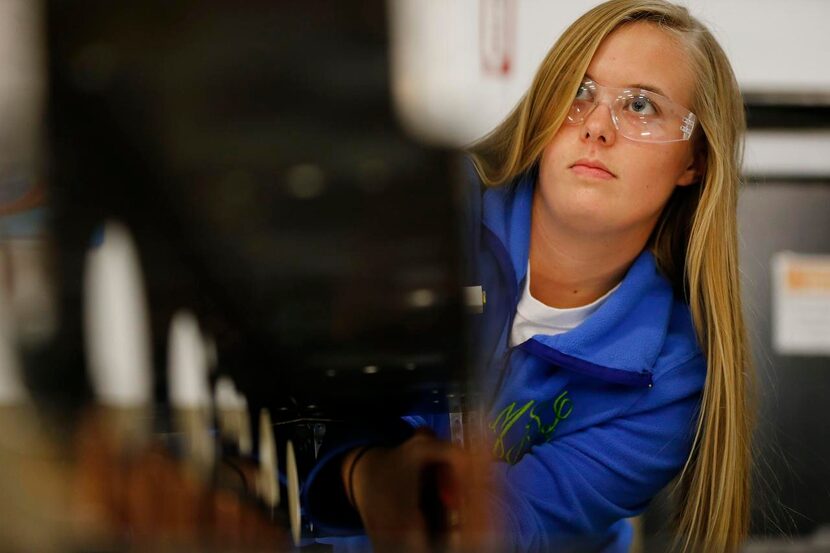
(641, 53)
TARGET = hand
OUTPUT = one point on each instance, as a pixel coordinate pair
(422, 495)
(149, 501)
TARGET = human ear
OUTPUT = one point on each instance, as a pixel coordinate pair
(693, 172)
(689, 175)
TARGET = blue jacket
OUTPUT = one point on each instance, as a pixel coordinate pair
(587, 426)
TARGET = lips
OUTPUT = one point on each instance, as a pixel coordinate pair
(592, 168)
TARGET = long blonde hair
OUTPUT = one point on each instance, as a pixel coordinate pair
(694, 243)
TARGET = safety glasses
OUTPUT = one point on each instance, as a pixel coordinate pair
(637, 114)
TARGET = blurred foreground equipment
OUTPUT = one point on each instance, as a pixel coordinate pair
(248, 253)
(253, 152)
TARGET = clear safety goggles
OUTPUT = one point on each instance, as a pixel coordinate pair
(637, 114)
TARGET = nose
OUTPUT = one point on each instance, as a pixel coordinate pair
(598, 126)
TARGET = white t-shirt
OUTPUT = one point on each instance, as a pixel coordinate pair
(534, 317)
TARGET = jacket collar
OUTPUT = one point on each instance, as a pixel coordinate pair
(506, 214)
(625, 334)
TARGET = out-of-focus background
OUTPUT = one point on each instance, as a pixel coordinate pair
(281, 181)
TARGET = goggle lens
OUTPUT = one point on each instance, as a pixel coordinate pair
(637, 114)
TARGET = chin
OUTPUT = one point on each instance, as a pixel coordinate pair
(584, 216)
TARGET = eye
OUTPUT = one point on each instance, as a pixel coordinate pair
(584, 93)
(642, 105)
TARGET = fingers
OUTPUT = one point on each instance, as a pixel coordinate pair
(424, 495)
(461, 494)
(428, 475)
(147, 499)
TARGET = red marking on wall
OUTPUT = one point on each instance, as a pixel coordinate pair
(497, 36)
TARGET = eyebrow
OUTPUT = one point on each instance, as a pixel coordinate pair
(649, 87)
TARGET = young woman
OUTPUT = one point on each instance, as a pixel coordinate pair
(612, 346)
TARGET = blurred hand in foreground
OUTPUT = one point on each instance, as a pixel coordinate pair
(423, 495)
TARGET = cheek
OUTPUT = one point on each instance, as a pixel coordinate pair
(553, 149)
(558, 150)
(655, 167)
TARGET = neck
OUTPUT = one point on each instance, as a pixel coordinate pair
(571, 269)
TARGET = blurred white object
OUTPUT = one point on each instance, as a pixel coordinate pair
(443, 85)
(293, 485)
(267, 484)
(187, 363)
(449, 88)
(232, 414)
(224, 393)
(116, 322)
(225, 403)
(189, 391)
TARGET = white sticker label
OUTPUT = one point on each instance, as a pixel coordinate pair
(801, 304)
(474, 299)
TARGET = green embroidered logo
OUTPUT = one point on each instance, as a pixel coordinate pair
(532, 423)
